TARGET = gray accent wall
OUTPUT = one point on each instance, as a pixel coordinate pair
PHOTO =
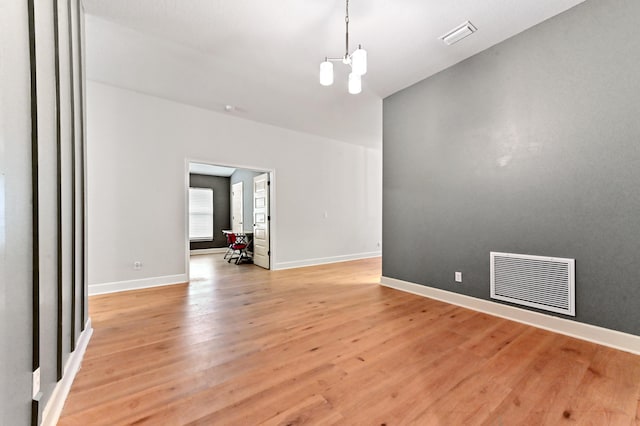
(221, 208)
(533, 147)
(246, 176)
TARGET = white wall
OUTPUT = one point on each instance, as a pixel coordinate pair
(137, 151)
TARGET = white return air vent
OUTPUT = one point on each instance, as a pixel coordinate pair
(458, 33)
(540, 282)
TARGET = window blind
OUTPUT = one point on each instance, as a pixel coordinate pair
(200, 214)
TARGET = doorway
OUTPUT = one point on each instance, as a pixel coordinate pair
(243, 211)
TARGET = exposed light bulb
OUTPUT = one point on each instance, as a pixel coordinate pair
(355, 83)
(359, 61)
(326, 73)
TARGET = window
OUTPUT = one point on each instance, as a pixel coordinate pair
(200, 214)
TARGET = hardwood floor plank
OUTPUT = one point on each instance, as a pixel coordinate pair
(494, 338)
(612, 400)
(313, 410)
(436, 376)
(542, 394)
(292, 399)
(240, 345)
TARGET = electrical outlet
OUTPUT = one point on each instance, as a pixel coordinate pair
(36, 383)
(137, 265)
(458, 277)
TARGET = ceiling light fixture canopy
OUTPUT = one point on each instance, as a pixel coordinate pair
(357, 61)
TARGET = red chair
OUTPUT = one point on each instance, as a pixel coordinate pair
(238, 249)
(230, 242)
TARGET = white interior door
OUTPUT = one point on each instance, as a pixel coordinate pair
(261, 219)
(237, 207)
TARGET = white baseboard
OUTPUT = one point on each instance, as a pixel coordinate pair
(208, 251)
(602, 336)
(325, 260)
(104, 288)
(53, 409)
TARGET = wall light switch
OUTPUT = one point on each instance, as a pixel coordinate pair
(458, 277)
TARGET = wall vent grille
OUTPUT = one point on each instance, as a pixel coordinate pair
(546, 283)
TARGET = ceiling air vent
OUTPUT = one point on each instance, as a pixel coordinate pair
(458, 33)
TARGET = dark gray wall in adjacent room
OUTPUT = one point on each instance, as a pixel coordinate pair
(533, 147)
(221, 208)
(246, 176)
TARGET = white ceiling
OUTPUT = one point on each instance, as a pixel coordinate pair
(263, 57)
(211, 170)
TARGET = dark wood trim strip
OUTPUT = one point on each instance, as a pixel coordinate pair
(56, 43)
(83, 236)
(35, 412)
(73, 182)
(35, 359)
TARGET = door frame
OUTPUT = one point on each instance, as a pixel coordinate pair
(273, 235)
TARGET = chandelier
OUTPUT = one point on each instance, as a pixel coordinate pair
(357, 61)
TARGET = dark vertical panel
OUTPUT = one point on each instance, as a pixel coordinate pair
(35, 409)
(34, 182)
(73, 181)
(56, 41)
(83, 236)
(35, 307)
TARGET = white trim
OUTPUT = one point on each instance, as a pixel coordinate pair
(325, 260)
(185, 206)
(104, 288)
(208, 251)
(53, 409)
(602, 336)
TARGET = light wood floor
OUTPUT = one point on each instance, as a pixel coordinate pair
(327, 345)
